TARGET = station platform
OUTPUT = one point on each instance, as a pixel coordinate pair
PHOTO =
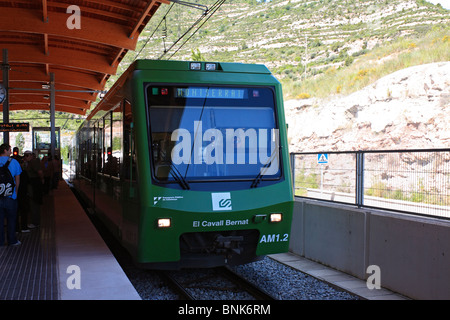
(65, 258)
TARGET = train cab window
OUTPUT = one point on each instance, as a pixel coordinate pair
(205, 133)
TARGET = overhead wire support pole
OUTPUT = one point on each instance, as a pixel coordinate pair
(5, 67)
(359, 179)
(52, 114)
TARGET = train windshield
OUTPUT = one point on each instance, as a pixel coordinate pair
(213, 133)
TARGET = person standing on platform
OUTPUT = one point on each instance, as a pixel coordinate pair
(47, 169)
(35, 188)
(23, 202)
(9, 185)
(56, 172)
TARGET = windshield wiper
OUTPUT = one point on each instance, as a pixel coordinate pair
(176, 174)
(264, 169)
(178, 177)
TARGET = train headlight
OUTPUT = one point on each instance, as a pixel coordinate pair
(195, 66)
(210, 66)
(164, 223)
(276, 217)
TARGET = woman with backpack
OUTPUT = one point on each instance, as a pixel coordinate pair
(9, 185)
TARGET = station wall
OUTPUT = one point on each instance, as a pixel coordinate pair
(412, 252)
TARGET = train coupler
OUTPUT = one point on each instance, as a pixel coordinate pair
(225, 244)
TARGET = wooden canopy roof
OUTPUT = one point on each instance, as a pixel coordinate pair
(39, 42)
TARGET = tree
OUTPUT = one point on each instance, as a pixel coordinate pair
(20, 142)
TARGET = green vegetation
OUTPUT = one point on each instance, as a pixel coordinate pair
(402, 53)
(304, 181)
(418, 194)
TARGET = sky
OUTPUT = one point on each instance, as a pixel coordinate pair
(444, 3)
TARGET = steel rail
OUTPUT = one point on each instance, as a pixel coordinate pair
(244, 284)
(176, 286)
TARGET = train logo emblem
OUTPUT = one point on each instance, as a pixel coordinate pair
(164, 199)
(225, 203)
(221, 201)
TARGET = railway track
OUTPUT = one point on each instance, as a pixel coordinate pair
(213, 284)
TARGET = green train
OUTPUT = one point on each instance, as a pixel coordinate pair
(187, 164)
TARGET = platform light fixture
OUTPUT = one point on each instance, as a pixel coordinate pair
(164, 223)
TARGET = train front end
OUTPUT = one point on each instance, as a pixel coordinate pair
(217, 189)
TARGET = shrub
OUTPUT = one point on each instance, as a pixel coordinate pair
(303, 95)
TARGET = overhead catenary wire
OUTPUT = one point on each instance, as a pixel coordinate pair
(207, 14)
(192, 5)
(154, 31)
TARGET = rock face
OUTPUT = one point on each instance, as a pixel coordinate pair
(408, 109)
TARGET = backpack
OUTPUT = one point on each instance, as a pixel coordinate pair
(7, 183)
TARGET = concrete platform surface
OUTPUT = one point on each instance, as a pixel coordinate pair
(87, 268)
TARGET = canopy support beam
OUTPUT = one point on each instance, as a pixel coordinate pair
(5, 67)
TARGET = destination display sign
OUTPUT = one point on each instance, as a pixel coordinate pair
(211, 93)
(15, 127)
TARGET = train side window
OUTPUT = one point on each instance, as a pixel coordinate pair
(107, 141)
(80, 152)
(129, 153)
(86, 138)
(116, 143)
(112, 151)
(99, 144)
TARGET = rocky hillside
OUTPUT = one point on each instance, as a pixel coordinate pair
(406, 109)
(286, 35)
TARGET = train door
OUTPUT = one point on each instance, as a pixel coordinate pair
(97, 155)
(108, 191)
(88, 167)
(130, 192)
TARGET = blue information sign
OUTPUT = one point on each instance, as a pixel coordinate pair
(322, 158)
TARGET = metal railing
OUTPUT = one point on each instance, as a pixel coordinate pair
(413, 181)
